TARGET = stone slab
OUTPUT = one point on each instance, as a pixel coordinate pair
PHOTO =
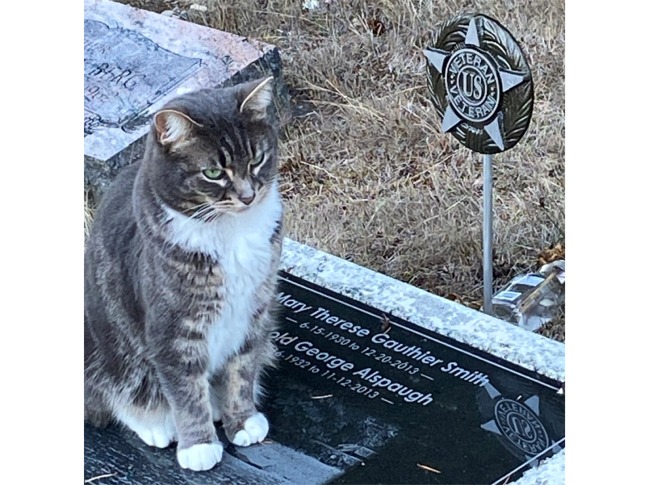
(360, 396)
(497, 338)
(451, 319)
(136, 60)
(121, 458)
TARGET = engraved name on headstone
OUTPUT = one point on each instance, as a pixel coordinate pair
(118, 85)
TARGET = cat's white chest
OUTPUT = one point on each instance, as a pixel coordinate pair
(242, 245)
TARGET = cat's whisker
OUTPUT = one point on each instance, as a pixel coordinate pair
(212, 216)
(196, 216)
(205, 212)
(200, 210)
(199, 213)
(191, 210)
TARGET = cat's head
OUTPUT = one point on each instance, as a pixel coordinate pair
(214, 150)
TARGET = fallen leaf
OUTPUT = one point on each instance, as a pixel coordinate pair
(385, 325)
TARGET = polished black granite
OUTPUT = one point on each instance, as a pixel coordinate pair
(361, 397)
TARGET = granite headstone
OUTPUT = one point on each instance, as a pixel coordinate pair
(136, 60)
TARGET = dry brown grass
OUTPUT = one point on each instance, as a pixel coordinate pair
(367, 174)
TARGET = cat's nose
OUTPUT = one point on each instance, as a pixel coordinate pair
(248, 200)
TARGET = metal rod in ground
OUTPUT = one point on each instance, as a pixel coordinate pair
(487, 234)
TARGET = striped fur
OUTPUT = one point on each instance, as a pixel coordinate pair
(180, 277)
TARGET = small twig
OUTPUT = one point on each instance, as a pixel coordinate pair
(98, 477)
(325, 396)
(319, 168)
(428, 468)
(552, 220)
(422, 120)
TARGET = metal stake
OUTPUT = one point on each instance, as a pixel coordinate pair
(487, 234)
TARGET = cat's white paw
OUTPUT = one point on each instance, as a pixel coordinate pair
(200, 457)
(255, 430)
(159, 436)
(155, 429)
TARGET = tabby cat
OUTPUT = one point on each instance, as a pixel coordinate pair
(180, 277)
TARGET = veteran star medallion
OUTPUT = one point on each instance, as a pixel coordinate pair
(517, 425)
(481, 83)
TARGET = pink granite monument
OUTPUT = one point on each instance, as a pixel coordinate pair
(136, 60)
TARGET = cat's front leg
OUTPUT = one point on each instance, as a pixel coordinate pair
(198, 446)
(182, 366)
(238, 389)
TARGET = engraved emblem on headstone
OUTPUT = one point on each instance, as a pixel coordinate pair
(517, 425)
(481, 83)
(521, 426)
(125, 73)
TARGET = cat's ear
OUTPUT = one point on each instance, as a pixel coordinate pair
(173, 127)
(256, 97)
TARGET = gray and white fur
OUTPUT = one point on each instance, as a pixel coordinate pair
(180, 277)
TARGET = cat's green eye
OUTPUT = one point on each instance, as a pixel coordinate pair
(213, 173)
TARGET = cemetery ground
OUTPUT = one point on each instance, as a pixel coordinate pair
(367, 174)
